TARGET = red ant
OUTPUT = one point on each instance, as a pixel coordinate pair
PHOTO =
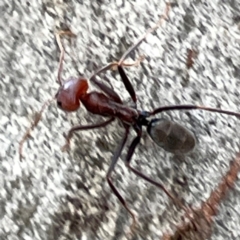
(169, 135)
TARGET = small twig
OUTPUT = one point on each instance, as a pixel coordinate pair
(199, 226)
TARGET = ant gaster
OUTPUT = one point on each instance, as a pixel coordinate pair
(169, 135)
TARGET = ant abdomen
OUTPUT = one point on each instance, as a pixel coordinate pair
(171, 136)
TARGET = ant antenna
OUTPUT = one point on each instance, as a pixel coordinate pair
(38, 117)
(150, 30)
(62, 50)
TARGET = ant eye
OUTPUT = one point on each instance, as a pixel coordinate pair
(59, 104)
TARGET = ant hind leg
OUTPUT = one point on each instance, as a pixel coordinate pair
(130, 152)
(109, 180)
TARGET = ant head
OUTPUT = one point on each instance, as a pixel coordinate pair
(68, 96)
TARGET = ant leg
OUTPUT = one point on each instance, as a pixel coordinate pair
(114, 65)
(62, 50)
(68, 136)
(130, 152)
(110, 91)
(33, 125)
(193, 107)
(106, 89)
(124, 77)
(109, 173)
(128, 85)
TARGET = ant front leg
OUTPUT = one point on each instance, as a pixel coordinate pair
(141, 39)
(110, 91)
(68, 136)
(122, 73)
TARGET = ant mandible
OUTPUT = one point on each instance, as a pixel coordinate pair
(171, 136)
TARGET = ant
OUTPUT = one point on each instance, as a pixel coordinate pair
(199, 225)
(169, 135)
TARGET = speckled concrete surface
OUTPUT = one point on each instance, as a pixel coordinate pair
(56, 195)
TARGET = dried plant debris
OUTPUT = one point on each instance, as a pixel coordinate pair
(199, 227)
(191, 56)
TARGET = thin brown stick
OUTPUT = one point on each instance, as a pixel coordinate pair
(191, 56)
(199, 227)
